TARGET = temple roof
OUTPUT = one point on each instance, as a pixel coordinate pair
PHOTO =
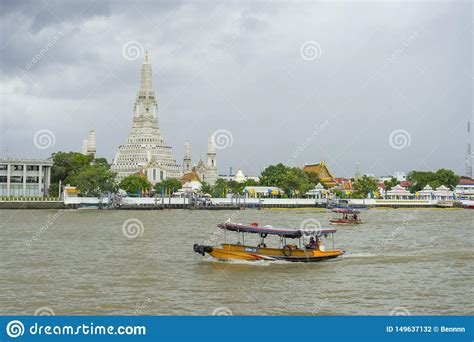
(323, 173)
(189, 177)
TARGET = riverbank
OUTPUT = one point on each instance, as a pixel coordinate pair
(149, 203)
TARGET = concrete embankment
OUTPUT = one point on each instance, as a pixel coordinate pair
(32, 205)
(147, 203)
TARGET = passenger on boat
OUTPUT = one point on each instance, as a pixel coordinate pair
(318, 242)
(312, 243)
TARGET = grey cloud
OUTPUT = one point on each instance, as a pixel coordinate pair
(237, 66)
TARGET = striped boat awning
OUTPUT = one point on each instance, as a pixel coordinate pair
(285, 232)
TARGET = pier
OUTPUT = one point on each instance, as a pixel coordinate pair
(158, 203)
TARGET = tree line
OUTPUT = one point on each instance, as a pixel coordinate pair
(93, 177)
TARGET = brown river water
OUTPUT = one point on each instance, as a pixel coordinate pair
(417, 262)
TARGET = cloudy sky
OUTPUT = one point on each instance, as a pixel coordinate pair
(385, 84)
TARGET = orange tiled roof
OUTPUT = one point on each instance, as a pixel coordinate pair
(190, 176)
(323, 173)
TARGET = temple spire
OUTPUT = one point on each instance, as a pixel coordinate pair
(146, 80)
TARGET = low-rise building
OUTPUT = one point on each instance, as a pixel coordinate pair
(398, 192)
(465, 188)
(25, 177)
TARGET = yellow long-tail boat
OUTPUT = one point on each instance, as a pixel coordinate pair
(300, 252)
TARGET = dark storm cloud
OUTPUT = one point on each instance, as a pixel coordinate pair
(291, 81)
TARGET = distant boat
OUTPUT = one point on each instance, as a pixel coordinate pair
(347, 217)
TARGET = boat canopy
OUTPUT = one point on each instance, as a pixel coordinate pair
(345, 211)
(285, 232)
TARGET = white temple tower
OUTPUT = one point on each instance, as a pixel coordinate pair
(210, 176)
(144, 139)
(187, 166)
(88, 145)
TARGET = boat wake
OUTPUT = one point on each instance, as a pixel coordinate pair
(358, 255)
(239, 262)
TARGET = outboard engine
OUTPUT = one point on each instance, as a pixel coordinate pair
(202, 249)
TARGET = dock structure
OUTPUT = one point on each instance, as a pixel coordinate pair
(160, 203)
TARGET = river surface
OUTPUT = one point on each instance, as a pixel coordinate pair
(67, 262)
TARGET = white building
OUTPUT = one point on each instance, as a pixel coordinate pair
(400, 176)
(398, 192)
(204, 172)
(89, 144)
(239, 177)
(25, 177)
(210, 176)
(187, 165)
(144, 141)
(426, 193)
(465, 188)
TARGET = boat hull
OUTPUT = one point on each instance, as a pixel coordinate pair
(342, 222)
(250, 253)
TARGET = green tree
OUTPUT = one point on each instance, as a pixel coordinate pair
(289, 179)
(447, 178)
(235, 187)
(169, 184)
(296, 180)
(250, 182)
(206, 188)
(391, 183)
(65, 166)
(364, 185)
(274, 175)
(420, 179)
(134, 183)
(94, 180)
(313, 178)
(220, 188)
